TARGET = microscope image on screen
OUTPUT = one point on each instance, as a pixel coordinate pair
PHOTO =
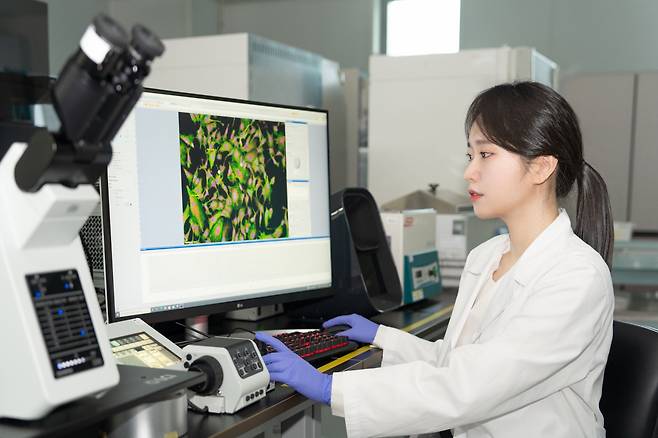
(233, 175)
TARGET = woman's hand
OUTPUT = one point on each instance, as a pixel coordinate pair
(361, 329)
(289, 368)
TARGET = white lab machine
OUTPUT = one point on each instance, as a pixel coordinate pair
(458, 229)
(53, 325)
(417, 109)
(55, 337)
(241, 381)
(235, 374)
(411, 237)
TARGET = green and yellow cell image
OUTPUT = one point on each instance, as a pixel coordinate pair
(233, 174)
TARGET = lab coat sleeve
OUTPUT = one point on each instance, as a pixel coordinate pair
(546, 346)
(401, 347)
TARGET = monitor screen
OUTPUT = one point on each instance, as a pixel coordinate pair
(215, 204)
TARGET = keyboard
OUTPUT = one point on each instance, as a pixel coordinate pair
(312, 345)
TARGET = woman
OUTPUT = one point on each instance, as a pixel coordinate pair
(527, 343)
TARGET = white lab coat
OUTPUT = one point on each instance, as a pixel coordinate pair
(534, 369)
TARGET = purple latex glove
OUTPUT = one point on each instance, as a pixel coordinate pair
(362, 329)
(289, 368)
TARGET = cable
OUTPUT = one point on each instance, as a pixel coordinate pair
(194, 408)
(192, 329)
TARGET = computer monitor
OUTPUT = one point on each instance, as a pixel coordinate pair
(214, 204)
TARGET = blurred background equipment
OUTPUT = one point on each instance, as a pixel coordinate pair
(457, 230)
(417, 108)
(411, 236)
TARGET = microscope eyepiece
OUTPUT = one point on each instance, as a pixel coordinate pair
(110, 31)
(146, 43)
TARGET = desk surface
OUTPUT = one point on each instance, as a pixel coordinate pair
(428, 319)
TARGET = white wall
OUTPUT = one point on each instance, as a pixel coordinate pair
(580, 35)
(67, 20)
(340, 30)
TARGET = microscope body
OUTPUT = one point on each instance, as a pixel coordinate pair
(50, 312)
(56, 345)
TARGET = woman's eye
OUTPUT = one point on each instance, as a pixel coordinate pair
(469, 157)
(486, 154)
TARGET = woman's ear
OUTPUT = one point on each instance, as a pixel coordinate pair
(542, 168)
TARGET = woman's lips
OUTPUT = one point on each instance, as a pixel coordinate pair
(474, 195)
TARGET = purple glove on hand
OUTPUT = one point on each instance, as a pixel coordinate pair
(362, 329)
(289, 368)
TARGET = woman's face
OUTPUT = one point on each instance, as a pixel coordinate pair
(498, 181)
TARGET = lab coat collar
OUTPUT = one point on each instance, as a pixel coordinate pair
(545, 245)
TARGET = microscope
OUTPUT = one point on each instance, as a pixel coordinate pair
(54, 144)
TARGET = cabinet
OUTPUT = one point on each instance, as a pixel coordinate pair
(618, 115)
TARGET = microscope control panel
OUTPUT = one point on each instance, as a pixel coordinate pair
(65, 322)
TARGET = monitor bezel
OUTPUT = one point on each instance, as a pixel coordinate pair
(207, 309)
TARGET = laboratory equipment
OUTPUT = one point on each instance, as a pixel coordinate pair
(136, 343)
(214, 205)
(236, 375)
(458, 229)
(411, 235)
(229, 366)
(56, 335)
(616, 116)
(355, 91)
(365, 278)
(635, 263)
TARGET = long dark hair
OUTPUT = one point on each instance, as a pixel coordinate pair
(531, 120)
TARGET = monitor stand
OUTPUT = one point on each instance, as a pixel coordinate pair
(255, 313)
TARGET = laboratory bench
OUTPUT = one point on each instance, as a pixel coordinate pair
(281, 413)
(285, 413)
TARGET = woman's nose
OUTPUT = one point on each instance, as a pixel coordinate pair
(471, 172)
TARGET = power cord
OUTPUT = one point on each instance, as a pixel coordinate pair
(194, 408)
(192, 329)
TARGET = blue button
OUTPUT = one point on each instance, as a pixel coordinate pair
(83, 332)
(37, 294)
(60, 311)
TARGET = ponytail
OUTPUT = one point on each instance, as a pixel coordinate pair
(594, 214)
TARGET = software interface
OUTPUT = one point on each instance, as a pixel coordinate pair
(213, 201)
(142, 350)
